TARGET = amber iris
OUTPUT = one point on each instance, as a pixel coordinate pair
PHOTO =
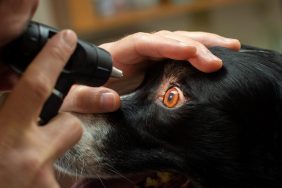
(171, 97)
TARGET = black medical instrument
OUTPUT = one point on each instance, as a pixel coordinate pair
(88, 65)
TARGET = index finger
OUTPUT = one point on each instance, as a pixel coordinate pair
(211, 39)
(37, 82)
(142, 46)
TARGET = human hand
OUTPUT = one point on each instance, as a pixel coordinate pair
(15, 14)
(131, 53)
(28, 150)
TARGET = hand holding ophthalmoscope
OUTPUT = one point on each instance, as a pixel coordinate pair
(88, 65)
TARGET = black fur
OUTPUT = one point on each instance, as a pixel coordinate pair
(227, 134)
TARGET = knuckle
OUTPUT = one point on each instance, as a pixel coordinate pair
(39, 85)
(140, 39)
(213, 35)
(163, 32)
(179, 32)
(81, 100)
(72, 120)
(59, 53)
(196, 44)
(201, 33)
(75, 121)
(31, 162)
(139, 36)
(210, 35)
(80, 103)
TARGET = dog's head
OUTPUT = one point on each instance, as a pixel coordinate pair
(218, 130)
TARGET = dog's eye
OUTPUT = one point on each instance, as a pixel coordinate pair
(171, 97)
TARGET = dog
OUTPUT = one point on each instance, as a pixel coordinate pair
(185, 128)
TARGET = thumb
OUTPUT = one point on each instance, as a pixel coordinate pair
(85, 99)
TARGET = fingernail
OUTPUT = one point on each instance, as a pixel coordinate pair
(69, 38)
(220, 64)
(107, 101)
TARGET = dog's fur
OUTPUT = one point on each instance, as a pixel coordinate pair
(226, 134)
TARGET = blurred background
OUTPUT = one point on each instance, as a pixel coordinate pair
(254, 22)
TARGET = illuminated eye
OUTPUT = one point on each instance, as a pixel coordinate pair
(171, 97)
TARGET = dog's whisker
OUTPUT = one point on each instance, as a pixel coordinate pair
(96, 174)
(112, 169)
(100, 179)
(82, 168)
(59, 175)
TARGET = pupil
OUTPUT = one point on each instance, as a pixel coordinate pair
(170, 97)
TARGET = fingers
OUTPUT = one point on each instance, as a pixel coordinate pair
(160, 48)
(179, 45)
(142, 46)
(45, 178)
(204, 60)
(37, 82)
(63, 131)
(91, 100)
(211, 39)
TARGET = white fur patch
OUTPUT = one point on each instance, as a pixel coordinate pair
(84, 159)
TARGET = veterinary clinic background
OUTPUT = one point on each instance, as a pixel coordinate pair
(254, 22)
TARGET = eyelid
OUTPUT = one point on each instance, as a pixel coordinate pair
(181, 99)
(166, 88)
(173, 84)
(169, 86)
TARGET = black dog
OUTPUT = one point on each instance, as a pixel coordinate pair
(219, 130)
